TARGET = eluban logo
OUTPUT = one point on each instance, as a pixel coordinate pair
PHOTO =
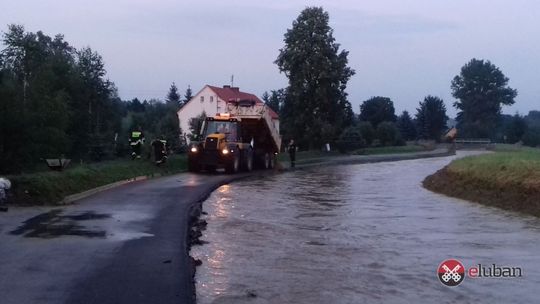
(451, 272)
(494, 271)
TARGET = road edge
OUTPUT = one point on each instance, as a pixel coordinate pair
(70, 199)
(195, 226)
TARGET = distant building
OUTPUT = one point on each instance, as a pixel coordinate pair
(213, 100)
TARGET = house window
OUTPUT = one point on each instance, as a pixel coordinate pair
(211, 98)
(202, 98)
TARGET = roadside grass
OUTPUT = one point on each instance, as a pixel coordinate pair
(390, 150)
(312, 156)
(49, 188)
(511, 148)
(511, 167)
(509, 179)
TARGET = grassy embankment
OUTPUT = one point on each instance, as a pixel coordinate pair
(391, 150)
(306, 157)
(49, 187)
(508, 178)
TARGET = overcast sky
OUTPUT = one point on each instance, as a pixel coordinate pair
(401, 49)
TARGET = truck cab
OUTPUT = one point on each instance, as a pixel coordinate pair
(222, 146)
(241, 139)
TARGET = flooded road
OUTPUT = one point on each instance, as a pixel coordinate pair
(358, 234)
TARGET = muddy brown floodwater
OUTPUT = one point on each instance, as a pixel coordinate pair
(358, 234)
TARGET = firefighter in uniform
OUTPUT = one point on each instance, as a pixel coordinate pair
(136, 141)
(292, 152)
(5, 185)
(160, 150)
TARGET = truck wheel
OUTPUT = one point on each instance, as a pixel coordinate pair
(267, 161)
(193, 166)
(234, 165)
(248, 164)
(272, 161)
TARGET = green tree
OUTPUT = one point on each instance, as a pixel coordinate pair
(135, 105)
(14, 121)
(173, 98)
(350, 140)
(12, 126)
(265, 97)
(377, 109)
(367, 131)
(94, 122)
(195, 125)
(387, 133)
(54, 98)
(169, 125)
(533, 119)
(406, 126)
(187, 96)
(431, 118)
(515, 129)
(35, 100)
(158, 119)
(531, 137)
(318, 74)
(481, 89)
(275, 99)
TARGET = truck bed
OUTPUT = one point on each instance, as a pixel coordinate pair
(257, 124)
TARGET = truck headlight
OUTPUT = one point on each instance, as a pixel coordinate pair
(225, 151)
(194, 149)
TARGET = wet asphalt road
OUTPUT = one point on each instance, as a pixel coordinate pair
(124, 245)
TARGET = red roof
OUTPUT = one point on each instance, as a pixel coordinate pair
(228, 93)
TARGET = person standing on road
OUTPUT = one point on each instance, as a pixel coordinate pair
(136, 141)
(5, 185)
(160, 150)
(292, 152)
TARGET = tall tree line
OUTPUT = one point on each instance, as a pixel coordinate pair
(55, 100)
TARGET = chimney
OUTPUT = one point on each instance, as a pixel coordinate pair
(226, 86)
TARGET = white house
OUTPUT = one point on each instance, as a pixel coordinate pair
(213, 100)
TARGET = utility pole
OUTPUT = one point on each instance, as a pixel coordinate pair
(232, 80)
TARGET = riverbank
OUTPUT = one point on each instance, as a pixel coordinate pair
(508, 179)
(51, 188)
(313, 156)
(364, 159)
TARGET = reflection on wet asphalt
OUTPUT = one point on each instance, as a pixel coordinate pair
(55, 224)
(358, 233)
